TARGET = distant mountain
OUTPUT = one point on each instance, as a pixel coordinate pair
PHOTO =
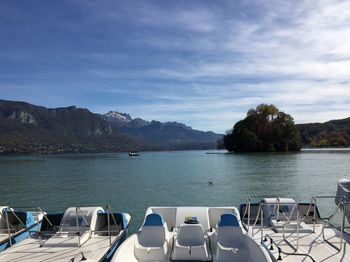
(168, 135)
(118, 117)
(334, 133)
(26, 128)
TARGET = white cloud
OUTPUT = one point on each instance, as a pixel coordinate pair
(206, 64)
(301, 64)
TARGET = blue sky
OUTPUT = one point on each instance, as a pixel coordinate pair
(203, 63)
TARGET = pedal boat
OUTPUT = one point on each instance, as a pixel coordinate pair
(79, 234)
(191, 234)
(16, 225)
(292, 231)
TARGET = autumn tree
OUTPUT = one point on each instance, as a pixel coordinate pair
(265, 128)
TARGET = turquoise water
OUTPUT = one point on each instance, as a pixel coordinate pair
(131, 184)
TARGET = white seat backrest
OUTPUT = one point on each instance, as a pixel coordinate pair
(227, 235)
(152, 233)
(190, 235)
(228, 230)
(152, 236)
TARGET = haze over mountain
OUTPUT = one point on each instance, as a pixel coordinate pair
(27, 128)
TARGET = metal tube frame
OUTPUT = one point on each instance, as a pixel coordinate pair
(342, 205)
(277, 205)
(109, 229)
(8, 228)
(12, 211)
(77, 222)
(280, 251)
(78, 233)
(78, 210)
(327, 220)
(248, 206)
(287, 223)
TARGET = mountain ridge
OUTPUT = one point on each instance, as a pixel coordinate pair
(27, 128)
(332, 133)
(166, 134)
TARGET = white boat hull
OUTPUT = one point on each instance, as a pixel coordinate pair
(244, 249)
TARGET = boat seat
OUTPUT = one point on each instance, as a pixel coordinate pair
(233, 245)
(152, 244)
(229, 238)
(191, 244)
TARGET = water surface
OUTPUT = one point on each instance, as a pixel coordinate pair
(131, 184)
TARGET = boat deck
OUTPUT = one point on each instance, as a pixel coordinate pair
(3, 237)
(312, 246)
(57, 249)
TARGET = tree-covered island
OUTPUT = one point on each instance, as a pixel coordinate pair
(265, 129)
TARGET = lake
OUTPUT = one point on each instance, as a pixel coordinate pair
(131, 184)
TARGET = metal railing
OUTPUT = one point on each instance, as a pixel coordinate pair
(79, 232)
(342, 207)
(248, 207)
(312, 211)
(276, 210)
(12, 232)
(280, 251)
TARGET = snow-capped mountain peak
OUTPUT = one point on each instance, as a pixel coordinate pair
(119, 116)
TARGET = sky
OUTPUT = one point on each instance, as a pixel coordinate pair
(202, 63)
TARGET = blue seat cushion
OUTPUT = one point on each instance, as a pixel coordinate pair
(228, 220)
(154, 219)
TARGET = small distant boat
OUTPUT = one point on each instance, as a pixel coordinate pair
(134, 153)
(211, 182)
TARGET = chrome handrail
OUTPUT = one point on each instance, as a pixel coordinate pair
(109, 225)
(109, 230)
(248, 206)
(256, 219)
(77, 222)
(249, 198)
(10, 231)
(280, 251)
(298, 225)
(343, 206)
(276, 205)
(327, 220)
(78, 212)
(8, 228)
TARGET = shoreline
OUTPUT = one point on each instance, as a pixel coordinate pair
(208, 151)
